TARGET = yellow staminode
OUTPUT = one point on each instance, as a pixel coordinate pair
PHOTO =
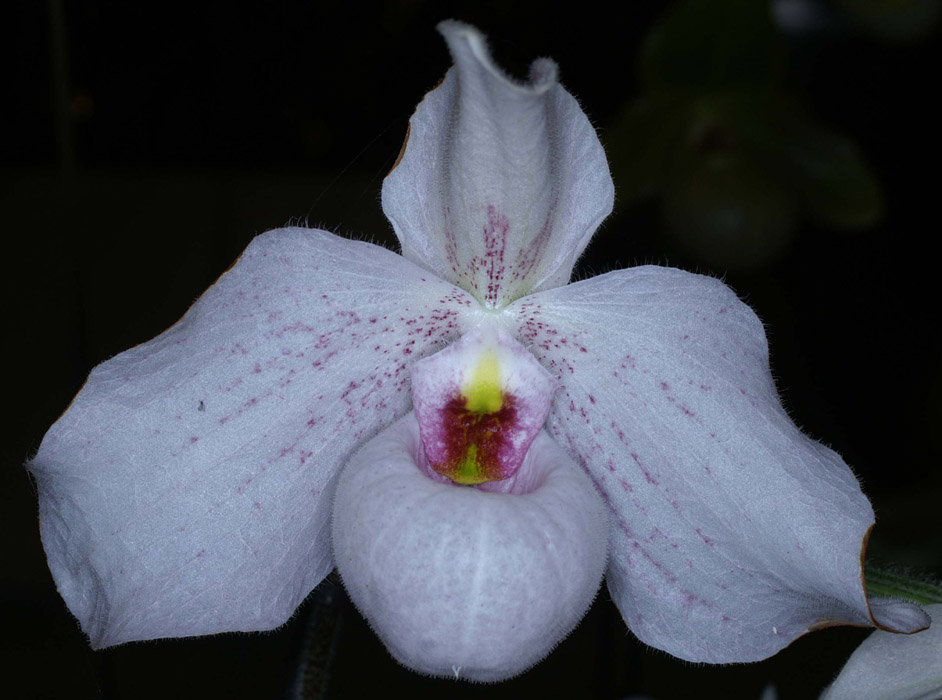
(483, 394)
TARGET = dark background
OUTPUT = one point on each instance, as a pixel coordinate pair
(142, 146)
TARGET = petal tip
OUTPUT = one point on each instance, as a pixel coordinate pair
(898, 616)
(467, 43)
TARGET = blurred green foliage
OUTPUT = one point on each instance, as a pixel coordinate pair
(735, 158)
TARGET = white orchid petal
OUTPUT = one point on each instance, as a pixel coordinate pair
(187, 490)
(733, 532)
(500, 185)
(458, 581)
(894, 667)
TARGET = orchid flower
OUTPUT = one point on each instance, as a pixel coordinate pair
(471, 441)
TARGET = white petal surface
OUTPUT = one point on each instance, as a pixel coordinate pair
(187, 490)
(733, 532)
(500, 185)
(461, 582)
(894, 667)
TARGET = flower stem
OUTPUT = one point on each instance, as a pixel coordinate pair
(885, 582)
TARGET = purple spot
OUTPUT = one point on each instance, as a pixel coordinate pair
(706, 539)
(647, 475)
